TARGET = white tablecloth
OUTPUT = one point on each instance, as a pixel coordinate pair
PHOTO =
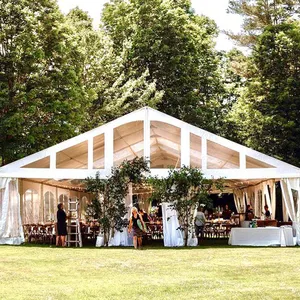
(261, 236)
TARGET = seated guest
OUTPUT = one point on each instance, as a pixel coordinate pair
(226, 214)
(249, 213)
(267, 212)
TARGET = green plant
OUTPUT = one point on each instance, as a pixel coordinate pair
(185, 189)
(108, 205)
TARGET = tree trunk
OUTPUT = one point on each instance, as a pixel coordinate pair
(186, 235)
(105, 235)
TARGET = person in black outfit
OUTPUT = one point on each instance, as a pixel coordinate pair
(249, 213)
(226, 212)
(61, 226)
(144, 215)
(267, 212)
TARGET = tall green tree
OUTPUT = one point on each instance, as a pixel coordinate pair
(257, 14)
(177, 47)
(113, 90)
(269, 112)
(42, 99)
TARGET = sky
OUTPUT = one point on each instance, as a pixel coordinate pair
(215, 9)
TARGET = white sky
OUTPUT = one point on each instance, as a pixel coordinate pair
(215, 9)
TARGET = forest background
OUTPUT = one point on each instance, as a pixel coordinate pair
(59, 76)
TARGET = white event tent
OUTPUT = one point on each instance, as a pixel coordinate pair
(30, 188)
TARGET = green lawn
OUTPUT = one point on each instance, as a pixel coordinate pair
(215, 272)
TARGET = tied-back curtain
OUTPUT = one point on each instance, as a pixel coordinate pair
(258, 196)
(288, 198)
(172, 235)
(272, 186)
(239, 202)
(268, 199)
(11, 230)
(292, 201)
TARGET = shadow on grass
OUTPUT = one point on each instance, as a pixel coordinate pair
(148, 245)
(154, 245)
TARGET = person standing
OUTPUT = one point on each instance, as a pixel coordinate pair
(249, 213)
(226, 214)
(199, 221)
(267, 212)
(135, 228)
(61, 231)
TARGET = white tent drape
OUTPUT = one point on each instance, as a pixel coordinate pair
(257, 196)
(172, 235)
(292, 202)
(239, 202)
(272, 187)
(11, 230)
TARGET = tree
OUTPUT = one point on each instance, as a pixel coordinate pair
(42, 100)
(185, 189)
(113, 90)
(268, 113)
(236, 72)
(108, 206)
(176, 46)
(258, 14)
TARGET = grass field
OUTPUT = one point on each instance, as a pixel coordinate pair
(214, 272)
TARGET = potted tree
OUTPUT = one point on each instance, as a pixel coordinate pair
(108, 205)
(185, 189)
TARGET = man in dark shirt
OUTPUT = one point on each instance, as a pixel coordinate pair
(267, 212)
(226, 214)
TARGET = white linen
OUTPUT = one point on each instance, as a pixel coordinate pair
(121, 238)
(172, 235)
(11, 230)
(261, 236)
(288, 236)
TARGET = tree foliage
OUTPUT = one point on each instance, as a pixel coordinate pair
(268, 114)
(108, 205)
(42, 100)
(185, 189)
(258, 14)
(113, 89)
(176, 46)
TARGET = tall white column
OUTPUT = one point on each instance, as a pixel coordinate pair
(146, 134)
(21, 192)
(42, 213)
(185, 147)
(109, 149)
(204, 153)
(242, 160)
(90, 153)
(53, 160)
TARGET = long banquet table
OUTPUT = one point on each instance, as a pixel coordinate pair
(262, 236)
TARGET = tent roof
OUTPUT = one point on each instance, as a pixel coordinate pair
(167, 141)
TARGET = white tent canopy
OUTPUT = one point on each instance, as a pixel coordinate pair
(167, 142)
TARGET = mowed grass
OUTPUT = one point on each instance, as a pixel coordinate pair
(153, 273)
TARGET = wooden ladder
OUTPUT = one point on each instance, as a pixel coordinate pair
(74, 233)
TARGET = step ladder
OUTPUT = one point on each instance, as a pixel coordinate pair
(74, 234)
